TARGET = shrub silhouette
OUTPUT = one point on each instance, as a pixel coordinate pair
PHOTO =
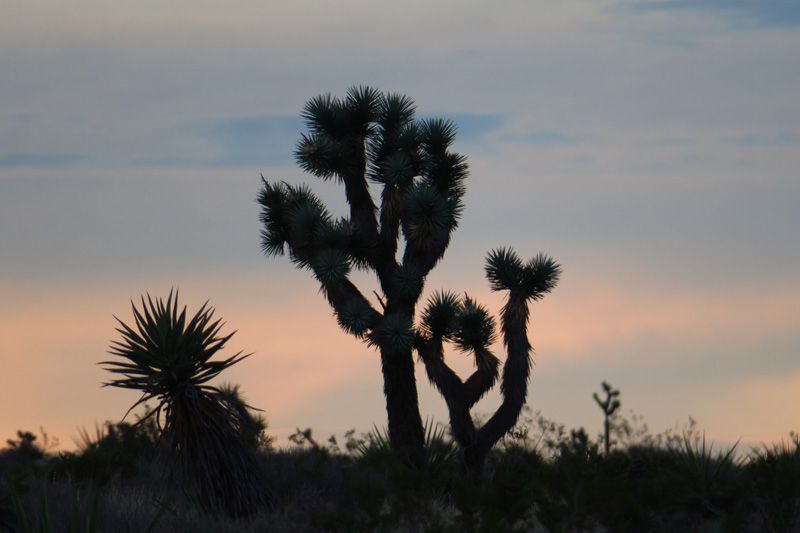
(168, 358)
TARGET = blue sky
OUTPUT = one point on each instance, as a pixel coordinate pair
(652, 147)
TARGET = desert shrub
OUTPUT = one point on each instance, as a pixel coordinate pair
(115, 450)
(772, 475)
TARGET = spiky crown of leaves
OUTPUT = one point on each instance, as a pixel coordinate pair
(367, 136)
(166, 353)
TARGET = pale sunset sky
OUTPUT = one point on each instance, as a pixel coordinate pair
(651, 147)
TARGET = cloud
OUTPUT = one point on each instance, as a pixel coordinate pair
(545, 138)
(548, 138)
(269, 140)
(255, 140)
(777, 139)
(473, 127)
(673, 141)
(24, 159)
(774, 13)
(232, 142)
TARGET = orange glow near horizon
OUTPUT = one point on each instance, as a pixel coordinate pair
(54, 336)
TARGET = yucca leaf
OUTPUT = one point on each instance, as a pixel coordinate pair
(408, 281)
(395, 332)
(438, 134)
(331, 266)
(540, 276)
(363, 105)
(323, 113)
(397, 111)
(476, 327)
(439, 317)
(397, 169)
(318, 154)
(427, 213)
(355, 316)
(503, 269)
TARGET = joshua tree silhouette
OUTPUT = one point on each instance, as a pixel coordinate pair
(609, 405)
(371, 137)
(365, 138)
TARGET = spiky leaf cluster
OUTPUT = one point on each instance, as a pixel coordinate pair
(166, 353)
(408, 281)
(365, 139)
(294, 218)
(476, 327)
(395, 333)
(463, 321)
(531, 280)
(331, 266)
(355, 316)
(439, 316)
(429, 214)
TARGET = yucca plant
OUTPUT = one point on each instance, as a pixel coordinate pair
(441, 449)
(707, 476)
(168, 358)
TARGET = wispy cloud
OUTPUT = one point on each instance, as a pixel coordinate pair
(777, 139)
(772, 13)
(232, 141)
(473, 127)
(254, 140)
(545, 138)
(24, 159)
(673, 142)
(269, 140)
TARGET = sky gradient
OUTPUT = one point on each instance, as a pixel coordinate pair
(651, 147)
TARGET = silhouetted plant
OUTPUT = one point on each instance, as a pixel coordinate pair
(168, 358)
(705, 476)
(372, 138)
(21, 451)
(774, 471)
(110, 452)
(83, 518)
(536, 433)
(375, 445)
(449, 318)
(569, 486)
(254, 426)
(83, 515)
(116, 449)
(609, 405)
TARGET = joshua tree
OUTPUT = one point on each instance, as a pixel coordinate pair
(204, 428)
(469, 325)
(372, 138)
(609, 405)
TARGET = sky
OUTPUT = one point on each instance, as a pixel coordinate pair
(651, 147)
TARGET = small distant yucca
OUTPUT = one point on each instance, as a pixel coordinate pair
(169, 359)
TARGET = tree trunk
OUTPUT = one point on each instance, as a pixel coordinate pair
(402, 406)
